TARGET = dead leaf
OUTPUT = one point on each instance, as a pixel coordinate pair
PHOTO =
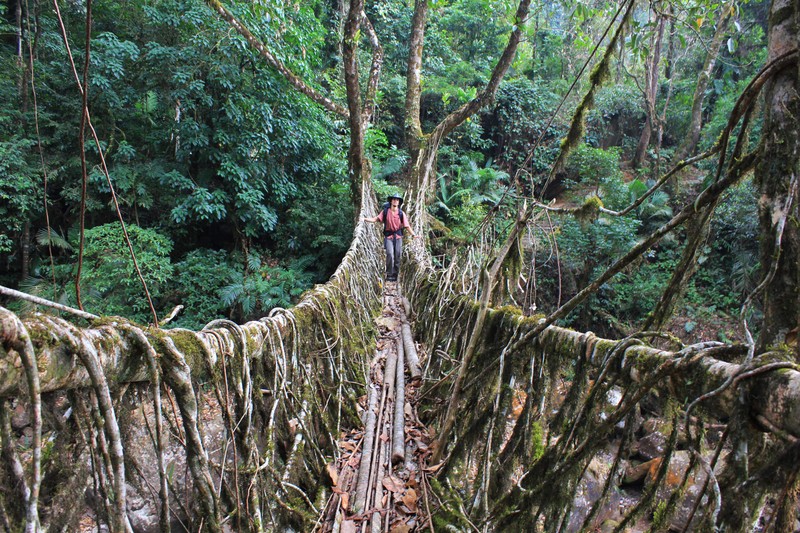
(402, 528)
(345, 501)
(384, 437)
(410, 500)
(333, 473)
(393, 484)
(433, 469)
(348, 526)
(412, 481)
(348, 445)
(407, 409)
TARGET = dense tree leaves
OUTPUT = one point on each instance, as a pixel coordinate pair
(215, 151)
(203, 143)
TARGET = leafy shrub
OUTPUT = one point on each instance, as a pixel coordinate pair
(317, 228)
(617, 117)
(262, 287)
(593, 165)
(109, 283)
(729, 263)
(199, 279)
(519, 118)
(466, 218)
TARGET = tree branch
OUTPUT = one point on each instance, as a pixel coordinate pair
(262, 49)
(486, 96)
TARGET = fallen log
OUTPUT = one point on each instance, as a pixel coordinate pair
(376, 523)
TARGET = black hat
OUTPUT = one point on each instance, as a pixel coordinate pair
(393, 196)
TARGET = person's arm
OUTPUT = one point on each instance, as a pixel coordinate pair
(409, 228)
(376, 218)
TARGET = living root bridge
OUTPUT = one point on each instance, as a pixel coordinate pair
(540, 414)
(274, 394)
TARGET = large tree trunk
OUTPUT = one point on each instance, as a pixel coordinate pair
(355, 154)
(651, 93)
(776, 179)
(25, 249)
(689, 143)
(424, 147)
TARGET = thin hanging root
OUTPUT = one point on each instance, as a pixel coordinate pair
(88, 355)
(160, 444)
(10, 455)
(99, 465)
(16, 338)
(178, 376)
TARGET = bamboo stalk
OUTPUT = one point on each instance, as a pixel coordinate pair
(412, 360)
(398, 436)
(375, 523)
(406, 306)
(366, 453)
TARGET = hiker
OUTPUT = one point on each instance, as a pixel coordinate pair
(394, 222)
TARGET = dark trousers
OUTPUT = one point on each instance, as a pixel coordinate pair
(394, 249)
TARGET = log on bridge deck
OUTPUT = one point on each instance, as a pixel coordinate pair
(379, 480)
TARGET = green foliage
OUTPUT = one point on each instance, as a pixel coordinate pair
(387, 160)
(209, 148)
(198, 281)
(634, 293)
(467, 182)
(729, 263)
(317, 228)
(592, 166)
(109, 283)
(466, 218)
(18, 190)
(518, 119)
(262, 287)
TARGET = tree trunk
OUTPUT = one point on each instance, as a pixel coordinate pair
(650, 93)
(355, 154)
(693, 136)
(413, 126)
(423, 148)
(776, 177)
(25, 251)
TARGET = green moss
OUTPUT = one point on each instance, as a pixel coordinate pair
(537, 441)
(190, 346)
(590, 209)
(510, 309)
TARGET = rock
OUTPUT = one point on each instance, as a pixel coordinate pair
(590, 488)
(144, 479)
(142, 517)
(678, 465)
(651, 446)
(20, 418)
(637, 472)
